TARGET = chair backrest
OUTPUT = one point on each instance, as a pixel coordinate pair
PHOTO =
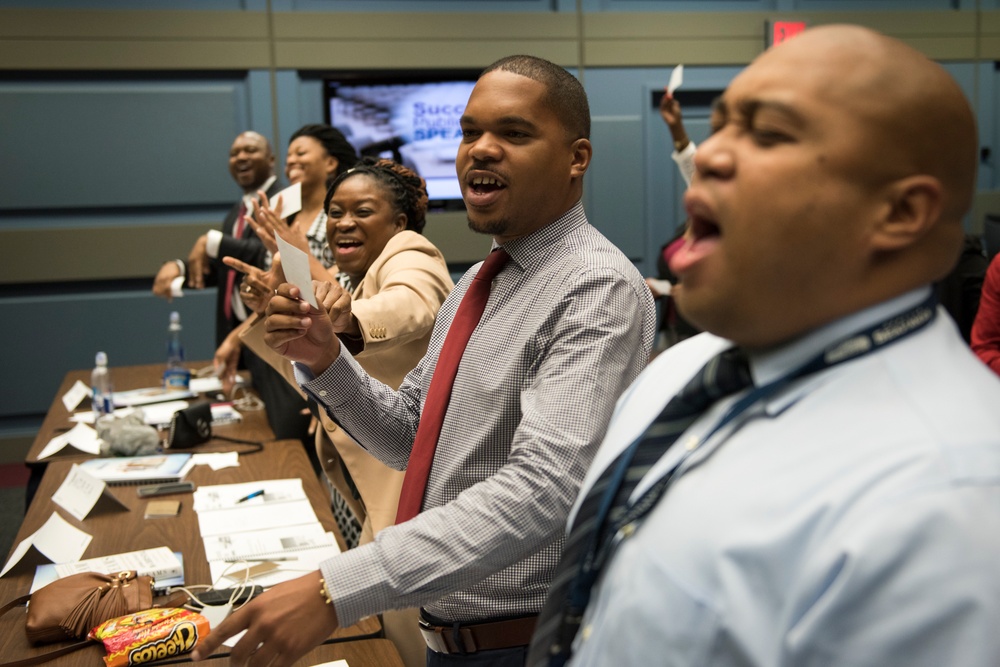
(991, 234)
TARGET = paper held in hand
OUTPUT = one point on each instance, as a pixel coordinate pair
(295, 264)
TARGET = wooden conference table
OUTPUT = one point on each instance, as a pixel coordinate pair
(121, 531)
(253, 427)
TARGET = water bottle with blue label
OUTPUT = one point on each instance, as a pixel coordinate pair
(175, 376)
(101, 388)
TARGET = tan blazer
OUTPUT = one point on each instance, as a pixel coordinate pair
(396, 305)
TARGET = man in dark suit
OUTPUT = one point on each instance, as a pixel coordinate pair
(251, 163)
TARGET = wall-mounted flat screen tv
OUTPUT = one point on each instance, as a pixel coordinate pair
(409, 116)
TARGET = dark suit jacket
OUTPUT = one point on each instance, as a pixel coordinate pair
(247, 248)
(283, 403)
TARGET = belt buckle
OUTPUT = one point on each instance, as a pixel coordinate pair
(434, 637)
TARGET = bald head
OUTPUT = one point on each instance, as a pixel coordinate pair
(916, 115)
(840, 166)
(251, 161)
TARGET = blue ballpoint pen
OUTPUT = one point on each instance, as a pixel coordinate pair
(252, 495)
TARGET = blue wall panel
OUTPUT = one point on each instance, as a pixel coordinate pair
(49, 335)
(113, 144)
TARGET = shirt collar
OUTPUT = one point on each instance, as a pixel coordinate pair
(250, 197)
(773, 364)
(532, 248)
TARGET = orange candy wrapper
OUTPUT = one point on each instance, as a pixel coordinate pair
(146, 636)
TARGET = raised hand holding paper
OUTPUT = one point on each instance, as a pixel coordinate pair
(676, 79)
(295, 264)
(291, 200)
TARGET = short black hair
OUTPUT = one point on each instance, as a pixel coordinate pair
(565, 93)
(333, 140)
(408, 191)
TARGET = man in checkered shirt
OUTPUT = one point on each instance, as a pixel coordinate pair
(569, 323)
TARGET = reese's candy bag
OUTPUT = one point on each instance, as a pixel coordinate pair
(145, 636)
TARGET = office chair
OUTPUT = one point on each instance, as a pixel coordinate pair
(991, 234)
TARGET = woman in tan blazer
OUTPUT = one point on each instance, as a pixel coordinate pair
(398, 281)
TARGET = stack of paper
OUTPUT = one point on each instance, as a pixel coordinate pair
(267, 528)
(166, 567)
(153, 469)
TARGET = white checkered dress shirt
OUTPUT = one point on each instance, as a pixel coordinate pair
(568, 326)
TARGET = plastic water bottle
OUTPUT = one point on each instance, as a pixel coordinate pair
(100, 384)
(175, 376)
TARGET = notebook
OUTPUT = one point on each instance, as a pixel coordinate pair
(153, 469)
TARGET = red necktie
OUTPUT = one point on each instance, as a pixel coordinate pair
(227, 304)
(411, 496)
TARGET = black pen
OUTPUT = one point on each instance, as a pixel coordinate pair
(252, 495)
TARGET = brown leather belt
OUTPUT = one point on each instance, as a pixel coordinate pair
(478, 636)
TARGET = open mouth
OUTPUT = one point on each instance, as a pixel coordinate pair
(347, 245)
(485, 184)
(482, 189)
(702, 237)
(702, 227)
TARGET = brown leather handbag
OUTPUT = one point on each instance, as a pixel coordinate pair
(69, 607)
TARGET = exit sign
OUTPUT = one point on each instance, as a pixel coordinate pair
(779, 31)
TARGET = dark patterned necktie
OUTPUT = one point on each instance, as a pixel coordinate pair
(605, 509)
(470, 310)
(227, 300)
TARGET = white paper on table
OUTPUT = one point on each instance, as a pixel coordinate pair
(232, 641)
(206, 384)
(81, 437)
(79, 492)
(676, 79)
(255, 517)
(161, 413)
(229, 574)
(158, 562)
(291, 200)
(274, 542)
(295, 264)
(335, 663)
(71, 399)
(217, 460)
(215, 613)
(212, 383)
(225, 496)
(87, 416)
(154, 414)
(57, 540)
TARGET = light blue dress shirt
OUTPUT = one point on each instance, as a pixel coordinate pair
(854, 519)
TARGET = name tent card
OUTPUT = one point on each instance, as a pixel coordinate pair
(57, 541)
(81, 492)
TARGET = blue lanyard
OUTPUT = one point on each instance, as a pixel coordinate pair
(845, 349)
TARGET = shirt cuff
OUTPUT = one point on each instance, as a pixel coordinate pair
(688, 152)
(357, 584)
(334, 386)
(214, 240)
(177, 286)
